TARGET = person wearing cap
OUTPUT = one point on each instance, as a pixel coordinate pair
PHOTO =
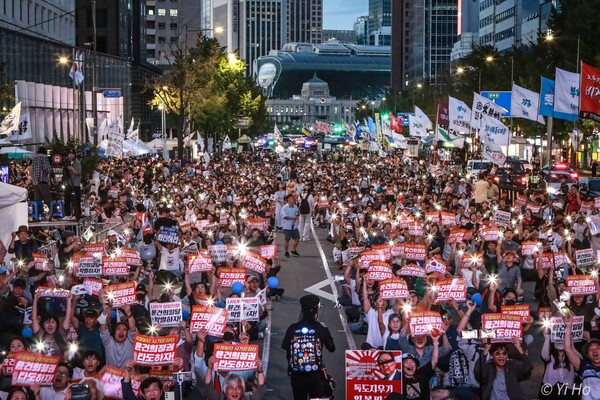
(88, 332)
(500, 376)
(308, 377)
(22, 246)
(41, 174)
(15, 304)
(416, 375)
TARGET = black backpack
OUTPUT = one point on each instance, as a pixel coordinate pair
(304, 206)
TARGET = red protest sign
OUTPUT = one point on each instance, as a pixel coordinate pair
(8, 364)
(154, 350)
(490, 234)
(415, 229)
(393, 288)
(379, 270)
(132, 256)
(424, 322)
(94, 249)
(544, 313)
(268, 251)
(457, 235)
(506, 327)
(111, 378)
(199, 263)
(213, 319)
(115, 266)
(41, 261)
(366, 378)
(412, 270)
(121, 294)
(397, 250)
(33, 368)
(227, 276)
(453, 288)
(384, 249)
(165, 376)
(448, 218)
(413, 251)
(93, 285)
(528, 248)
(257, 223)
(547, 260)
(432, 216)
(254, 262)
(522, 310)
(471, 260)
(581, 285)
(560, 259)
(586, 206)
(535, 208)
(235, 357)
(354, 251)
(366, 257)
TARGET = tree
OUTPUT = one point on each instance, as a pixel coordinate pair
(6, 87)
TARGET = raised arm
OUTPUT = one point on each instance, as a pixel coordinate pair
(436, 351)
(69, 313)
(572, 354)
(365, 297)
(35, 323)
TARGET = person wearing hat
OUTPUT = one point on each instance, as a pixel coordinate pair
(88, 332)
(305, 365)
(416, 375)
(22, 246)
(72, 181)
(14, 304)
(41, 176)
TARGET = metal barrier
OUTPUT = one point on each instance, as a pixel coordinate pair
(50, 249)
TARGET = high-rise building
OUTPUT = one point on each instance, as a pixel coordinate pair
(304, 21)
(400, 44)
(501, 23)
(361, 30)
(250, 28)
(468, 29)
(434, 26)
(346, 36)
(380, 22)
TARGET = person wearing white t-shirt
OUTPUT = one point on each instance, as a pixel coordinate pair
(169, 258)
(376, 318)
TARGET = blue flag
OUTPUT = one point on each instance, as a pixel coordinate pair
(358, 132)
(547, 102)
(372, 127)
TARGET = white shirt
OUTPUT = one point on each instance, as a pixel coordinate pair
(374, 335)
(48, 393)
(169, 260)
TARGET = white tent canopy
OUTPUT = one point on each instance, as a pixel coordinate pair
(15, 152)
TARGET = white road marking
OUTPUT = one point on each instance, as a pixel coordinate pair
(316, 290)
(349, 337)
(267, 340)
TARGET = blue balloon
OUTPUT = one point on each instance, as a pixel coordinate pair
(185, 314)
(237, 287)
(27, 332)
(476, 298)
(219, 242)
(273, 282)
(113, 314)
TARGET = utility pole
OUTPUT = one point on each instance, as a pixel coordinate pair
(94, 83)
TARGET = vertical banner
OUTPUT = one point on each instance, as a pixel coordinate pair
(459, 115)
(493, 131)
(566, 94)
(484, 106)
(373, 374)
(590, 92)
(525, 103)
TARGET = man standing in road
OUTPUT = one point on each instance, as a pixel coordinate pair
(481, 190)
(291, 215)
(41, 177)
(72, 180)
(307, 207)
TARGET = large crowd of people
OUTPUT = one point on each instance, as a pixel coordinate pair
(509, 248)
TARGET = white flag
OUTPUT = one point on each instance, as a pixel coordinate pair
(423, 118)
(575, 136)
(130, 130)
(452, 138)
(415, 127)
(11, 121)
(484, 106)
(75, 72)
(135, 135)
(494, 131)
(566, 93)
(277, 134)
(493, 153)
(24, 131)
(114, 147)
(200, 141)
(459, 115)
(525, 104)
(226, 143)
(188, 139)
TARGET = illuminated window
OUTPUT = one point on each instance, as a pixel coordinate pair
(173, 12)
(162, 12)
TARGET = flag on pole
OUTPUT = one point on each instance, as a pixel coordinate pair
(484, 106)
(493, 153)
(372, 128)
(459, 115)
(130, 129)
(11, 121)
(395, 124)
(358, 131)
(24, 131)
(277, 135)
(494, 131)
(452, 138)
(135, 135)
(575, 136)
(188, 139)
(226, 143)
(590, 92)
(416, 127)
(423, 119)
(75, 71)
(566, 94)
(306, 130)
(525, 103)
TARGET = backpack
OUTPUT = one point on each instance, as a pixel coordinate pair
(304, 206)
(458, 368)
(305, 351)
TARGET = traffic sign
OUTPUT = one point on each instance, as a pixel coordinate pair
(501, 98)
(111, 93)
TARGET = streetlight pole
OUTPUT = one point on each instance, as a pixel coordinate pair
(94, 83)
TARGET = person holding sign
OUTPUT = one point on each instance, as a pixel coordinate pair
(501, 375)
(234, 387)
(48, 330)
(559, 370)
(118, 346)
(586, 364)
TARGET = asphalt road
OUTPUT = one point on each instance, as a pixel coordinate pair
(304, 272)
